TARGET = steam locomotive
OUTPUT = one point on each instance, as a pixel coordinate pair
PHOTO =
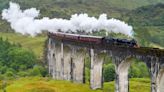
(96, 40)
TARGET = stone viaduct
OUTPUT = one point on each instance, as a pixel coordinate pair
(66, 62)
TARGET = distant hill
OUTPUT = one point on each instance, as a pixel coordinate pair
(127, 4)
(65, 8)
(36, 44)
(62, 8)
(152, 15)
(149, 21)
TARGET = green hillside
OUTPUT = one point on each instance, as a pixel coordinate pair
(65, 8)
(149, 23)
(35, 44)
(132, 4)
(152, 15)
(127, 4)
(150, 36)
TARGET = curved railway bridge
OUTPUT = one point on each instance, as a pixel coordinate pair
(66, 62)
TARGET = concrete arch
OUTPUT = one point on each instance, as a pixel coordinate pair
(122, 75)
(96, 71)
(122, 70)
(66, 62)
(51, 57)
(58, 67)
(78, 65)
(160, 81)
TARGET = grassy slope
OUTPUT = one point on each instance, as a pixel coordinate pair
(132, 4)
(128, 4)
(65, 8)
(154, 36)
(35, 44)
(36, 84)
(149, 21)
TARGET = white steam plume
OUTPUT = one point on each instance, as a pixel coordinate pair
(26, 22)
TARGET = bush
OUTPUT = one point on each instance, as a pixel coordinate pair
(2, 77)
(38, 71)
(3, 69)
(23, 73)
(15, 60)
(143, 69)
(109, 72)
(134, 72)
(138, 70)
(9, 74)
(21, 59)
(87, 74)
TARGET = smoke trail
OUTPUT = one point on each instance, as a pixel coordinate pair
(26, 22)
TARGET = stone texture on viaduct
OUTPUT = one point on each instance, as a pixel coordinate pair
(66, 62)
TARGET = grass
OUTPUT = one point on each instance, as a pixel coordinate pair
(38, 84)
(1, 84)
(35, 84)
(36, 44)
(140, 85)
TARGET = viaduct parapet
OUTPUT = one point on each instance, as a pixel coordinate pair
(66, 62)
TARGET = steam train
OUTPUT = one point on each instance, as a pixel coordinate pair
(96, 40)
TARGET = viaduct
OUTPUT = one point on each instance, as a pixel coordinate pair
(66, 62)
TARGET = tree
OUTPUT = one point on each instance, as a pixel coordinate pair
(15, 59)
(37, 71)
(21, 59)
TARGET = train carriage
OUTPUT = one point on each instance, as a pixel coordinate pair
(94, 39)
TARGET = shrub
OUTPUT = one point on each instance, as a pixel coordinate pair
(37, 71)
(109, 72)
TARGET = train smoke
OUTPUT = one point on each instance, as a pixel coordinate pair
(27, 22)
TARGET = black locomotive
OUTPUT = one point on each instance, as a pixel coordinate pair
(120, 42)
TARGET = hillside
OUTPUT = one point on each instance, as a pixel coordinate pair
(150, 36)
(127, 4)
(36, 44)
(148, 22)
(152, 15)
(65, 8)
